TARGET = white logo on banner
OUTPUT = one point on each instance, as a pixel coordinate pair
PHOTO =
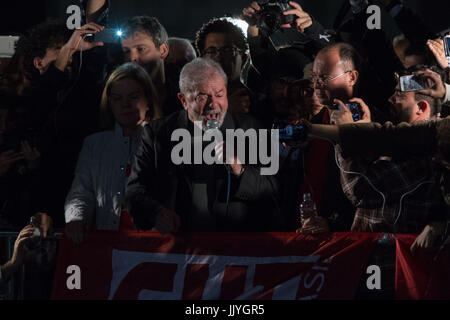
(125, 261)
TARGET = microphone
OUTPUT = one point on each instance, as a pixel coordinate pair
(212, 124)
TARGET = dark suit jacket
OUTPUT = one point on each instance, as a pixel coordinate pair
(155, 182)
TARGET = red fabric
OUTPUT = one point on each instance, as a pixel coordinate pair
(426, 275)
(132, 265)
(126, 221)
(316, 168)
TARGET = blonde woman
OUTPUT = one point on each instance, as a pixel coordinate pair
(96, 197)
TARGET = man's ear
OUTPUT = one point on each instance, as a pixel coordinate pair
(182, 98)
(37, 62)
(354, 75)
(423, 107)
(164, 50)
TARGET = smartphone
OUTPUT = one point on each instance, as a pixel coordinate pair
(108, 35)
(447, 47)
(356, 110)
(8, 46)
(411, 83)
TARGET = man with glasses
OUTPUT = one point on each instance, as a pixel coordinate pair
(223, 42)
(309, 168)
(335, 74)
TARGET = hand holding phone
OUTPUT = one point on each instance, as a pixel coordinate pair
(412, 83)
(107, 35)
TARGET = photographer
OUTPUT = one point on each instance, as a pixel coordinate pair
(65, 76)
(262, 50)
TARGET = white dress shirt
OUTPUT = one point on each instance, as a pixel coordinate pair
(98, 188)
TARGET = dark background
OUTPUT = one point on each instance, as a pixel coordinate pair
(184, 17)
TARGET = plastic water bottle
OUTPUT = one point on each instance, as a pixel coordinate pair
(307, 208)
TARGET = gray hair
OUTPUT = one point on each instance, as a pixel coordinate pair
(183, 43)
(199, 70)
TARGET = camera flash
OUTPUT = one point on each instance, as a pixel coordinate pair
(119, 33)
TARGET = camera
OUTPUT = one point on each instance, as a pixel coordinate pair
(291, 132)
(271, 17)
(35, 241)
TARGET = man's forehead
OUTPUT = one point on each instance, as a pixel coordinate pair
(327, 60)
(213, 83)
(218, 40)
(138, 37)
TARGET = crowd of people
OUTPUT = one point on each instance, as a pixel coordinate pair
(86, 127)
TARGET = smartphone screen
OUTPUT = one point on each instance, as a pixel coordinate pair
(355, 109)
(411, 83)
(8, 46)
(107, 36)
(447, 46)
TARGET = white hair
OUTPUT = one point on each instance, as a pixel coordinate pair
(197, 71)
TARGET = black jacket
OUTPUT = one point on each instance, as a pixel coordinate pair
(155, 182)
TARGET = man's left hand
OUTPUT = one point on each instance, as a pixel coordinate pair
(303, 19)
(427, 238)
(314, 225)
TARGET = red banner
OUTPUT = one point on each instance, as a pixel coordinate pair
(212, 266)
(424, 276)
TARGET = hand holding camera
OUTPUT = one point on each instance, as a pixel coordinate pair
(355, 111)
(302, 19)
(271, 16)
(250, 15)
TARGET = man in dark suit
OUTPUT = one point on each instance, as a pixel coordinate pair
(198, 197)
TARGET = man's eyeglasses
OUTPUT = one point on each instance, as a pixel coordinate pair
(224, 51)
(326, 79)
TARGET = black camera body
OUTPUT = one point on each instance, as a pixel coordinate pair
(271, 16)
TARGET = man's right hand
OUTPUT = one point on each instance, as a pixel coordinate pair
(76, 43)
(75, 231)
(250, 15)
(167, 221)
(436, 86)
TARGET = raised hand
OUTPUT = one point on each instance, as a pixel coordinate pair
(303, 19)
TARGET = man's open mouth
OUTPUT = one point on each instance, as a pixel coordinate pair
(214, 116)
